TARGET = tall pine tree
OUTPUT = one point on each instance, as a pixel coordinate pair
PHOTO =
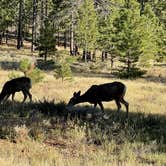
(87, 30)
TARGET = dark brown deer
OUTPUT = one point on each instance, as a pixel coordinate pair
(104, 92)
(15, 85)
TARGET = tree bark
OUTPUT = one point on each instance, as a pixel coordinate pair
(58, 41)
(65, 40)
(34, 24)
(72, 36)
(142, 3)
(0, 37)
(112, 62)
(6, 35)
(102, 56)
(128, 65)
(20, 27)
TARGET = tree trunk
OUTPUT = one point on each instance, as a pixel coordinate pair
(76, 52)
(42, 14)
(142, 4)
(84, 55)
(128, 66)
(34, 24)
(6, 36)
(65, 40)
(0, 37)
(106, 55)
(71, 40)
(72, 36)
(58, 41)
(112, 62)
(102, 56)
(46, 8)
(20, 27)
(45, 56)
(94, 55)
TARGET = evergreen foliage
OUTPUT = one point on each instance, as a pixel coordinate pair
(87, 31)
(63, 69)
(30, 70)
(134, 35)
(47, 40)
(25, 65)
(130, 31)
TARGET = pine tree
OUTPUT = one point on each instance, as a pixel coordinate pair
(47, 40)
(135, 35)
(63, 69)
(7, 16)
(20, 25)
(106, 33)
(87, 30)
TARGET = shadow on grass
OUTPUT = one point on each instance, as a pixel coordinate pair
(132, 74)
(155, 79)
(138, 127)
(8, 65)
(49, 65)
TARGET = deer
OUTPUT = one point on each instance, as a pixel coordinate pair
(96, 94)
(15, 85)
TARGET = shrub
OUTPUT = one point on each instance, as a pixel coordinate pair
(36, 75)
(13, 75)
(24, 65)
(63, 69)
(29, 70)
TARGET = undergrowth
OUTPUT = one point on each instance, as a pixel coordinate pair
(83, 134)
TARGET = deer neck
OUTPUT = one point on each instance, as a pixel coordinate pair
(81, 99)
(2, 95)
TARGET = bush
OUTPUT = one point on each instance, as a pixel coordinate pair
(63, 71)
(36, 75)
(13, 75)
(24, 65)
(62, 68)
(29, 70)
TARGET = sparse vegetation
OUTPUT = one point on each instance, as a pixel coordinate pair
(36, 75)
(82, 135)
(62, 68)
(29, 70)
(94, 42)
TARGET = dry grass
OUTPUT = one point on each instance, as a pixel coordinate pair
(144, 97)
(46, 140)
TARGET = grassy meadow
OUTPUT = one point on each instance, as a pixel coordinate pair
(45, 133)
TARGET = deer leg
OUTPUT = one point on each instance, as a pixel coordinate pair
(13, 96)
(95, 105)
(29, 94)
(6, 97)
(126, 105)
(25, 95)
(101, 106)
(118, 104)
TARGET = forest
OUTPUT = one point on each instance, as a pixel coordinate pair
(68, 48)
(128, 30)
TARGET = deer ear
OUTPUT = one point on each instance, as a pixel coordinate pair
(74, 94)
(78, 93)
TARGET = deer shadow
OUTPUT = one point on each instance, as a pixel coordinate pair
(138, 127)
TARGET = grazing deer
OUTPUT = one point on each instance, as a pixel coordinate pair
(104, 92)
(15, 85)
